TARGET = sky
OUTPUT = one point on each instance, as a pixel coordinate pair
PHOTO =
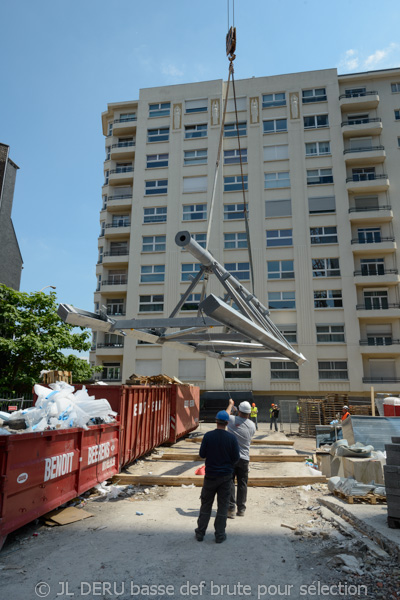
(66, 59)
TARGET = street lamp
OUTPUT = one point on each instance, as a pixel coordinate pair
(53, 287)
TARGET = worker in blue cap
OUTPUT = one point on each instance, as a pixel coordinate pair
(220, 450)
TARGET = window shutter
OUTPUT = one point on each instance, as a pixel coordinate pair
(193, 105)
(192, 369)
(278, 208)
(148, 367)
(322, 204)
(240, 104)
(195, 184)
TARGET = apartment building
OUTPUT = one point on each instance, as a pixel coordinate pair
(321, 169)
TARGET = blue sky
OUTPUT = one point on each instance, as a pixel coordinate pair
(66, 59)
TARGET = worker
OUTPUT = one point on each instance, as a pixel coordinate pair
(243, 429)
(253, 414)
(221, 452)
(273, 416)
(345, 412)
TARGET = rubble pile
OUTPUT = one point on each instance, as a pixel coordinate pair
(59, 407)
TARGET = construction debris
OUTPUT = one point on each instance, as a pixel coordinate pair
(154, 380)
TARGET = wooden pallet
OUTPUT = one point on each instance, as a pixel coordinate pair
(367, 499)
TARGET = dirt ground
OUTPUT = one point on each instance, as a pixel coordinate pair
(142, 545)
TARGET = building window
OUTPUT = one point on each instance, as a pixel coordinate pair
(332, 334)
(156, 186)
(316, 122)
(151, 303)
(158, 135)
(194, 184)
(240, 270)
(369, 235)
(395, 88)
(156, 214)
(397, 115)
(126, 117)
(153, 243)
(235, 183)
(195, 131)
(110, 129)
(119, 221)
(398, 142)
(232, 157)
(278, 208)
(276, 180)
(325, 267)
(123, 168)
(235, 241)
(192, 302)
(200, 238)
(240, 104)
(332, 369)
(376, 300)
(155, 161)
(162, 109)
(106, 177)
(372, 266)
(194, 157)
(269, 100)
(189, 271)
(278, 152)
(319, 176)
(316, 95)
(194, 212)
(152, 274)
(281, 300)
(115, 306)
(275, 126)
(321, 204)
(194, 106)
(355, 92)
(116, 277)
(280, 269)
(284, 370)
(328, 299)
(192, 370)
(323, 235)
(279, 237)
(111, 372)
(230, 129)
(118, 249)
(289, 332)
(241, 370)
(108, 152)
(233, 211)
(318, 148)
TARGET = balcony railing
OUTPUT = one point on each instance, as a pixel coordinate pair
(381, 379)
(121, 280)
(372, 240)
(373, 273)
(124, 145)
(357, 94)
(361, 121)
(361, 149)
(385, 306)
(111, 345)
(119, 197)
(368, 208)
(120, 252)
(122, 170)
(119, 224)
(365, 177)
(116, 314)
(381, 341)
(125, 120)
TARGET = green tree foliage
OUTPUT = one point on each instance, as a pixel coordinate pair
(32, 338)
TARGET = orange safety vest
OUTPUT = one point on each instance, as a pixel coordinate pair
(346, 414)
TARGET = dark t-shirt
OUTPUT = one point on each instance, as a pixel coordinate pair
(221, 451)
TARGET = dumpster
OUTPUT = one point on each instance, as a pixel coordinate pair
(40, 471)
(185, 410)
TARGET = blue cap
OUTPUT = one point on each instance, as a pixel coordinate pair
(222, 416)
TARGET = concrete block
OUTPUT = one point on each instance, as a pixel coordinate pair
(324, 463)
(363, 470)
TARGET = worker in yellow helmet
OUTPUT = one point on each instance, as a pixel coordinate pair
(253, 414)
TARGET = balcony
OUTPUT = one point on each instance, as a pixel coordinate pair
(378, 310)
(122, 150)
(367, 155)
(114, 202)
(119, 229)
(371, 214)
(380, 345)
(116, 284)
(356, 127)
(358, 101)
(115, 257)
(381, 380)
(367, 182)
(124, 126)
(120, 176)
(383, 245)
(376, 277)
(111, 345)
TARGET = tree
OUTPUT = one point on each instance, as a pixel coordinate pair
(32, 338)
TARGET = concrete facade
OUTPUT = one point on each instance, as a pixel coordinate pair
(320, 156)
(10, 254)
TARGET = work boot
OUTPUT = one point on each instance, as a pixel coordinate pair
(199, 537)
(240, 513)
(231, 513)
(220, 538)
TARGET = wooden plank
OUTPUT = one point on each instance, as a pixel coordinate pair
(178, 480)
(265, 442)
(253, 458)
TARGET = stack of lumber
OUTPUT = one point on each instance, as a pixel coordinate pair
(153, 380)
(53, 376)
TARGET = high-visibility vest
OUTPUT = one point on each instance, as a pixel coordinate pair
(298, 409)
(254, 411)
(346, 414)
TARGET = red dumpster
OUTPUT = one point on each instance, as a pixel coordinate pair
(41, 471)
(185, 410)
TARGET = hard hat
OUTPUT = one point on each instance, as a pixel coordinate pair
(222, 415)
(272, 404)
(245, 407)
(346, 407)
(253, 404)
